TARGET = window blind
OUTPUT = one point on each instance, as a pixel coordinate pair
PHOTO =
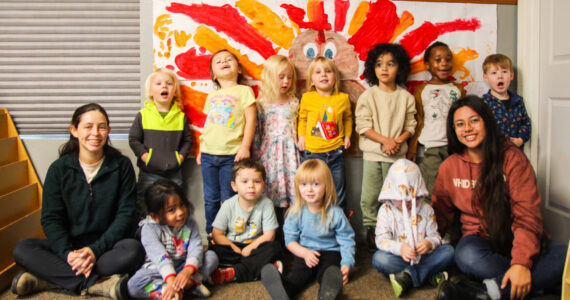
(58, 55)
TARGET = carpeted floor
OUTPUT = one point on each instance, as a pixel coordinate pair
(365, 283)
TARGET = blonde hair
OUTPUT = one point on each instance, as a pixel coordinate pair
(270, 77)
(177, 94)
(310, 171)
(500, 60)
(328, 63)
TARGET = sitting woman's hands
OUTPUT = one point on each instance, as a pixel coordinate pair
(520, 278)
(82, 261)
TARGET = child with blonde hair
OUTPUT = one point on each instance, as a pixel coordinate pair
(228, 130)
(325, 121)
(319, 235)
(160, 135)
(276, 135)
(410, 249)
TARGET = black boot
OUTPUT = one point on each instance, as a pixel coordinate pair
(371, 239)
(462, 288)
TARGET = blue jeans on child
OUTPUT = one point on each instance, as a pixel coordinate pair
(335, 161)
(430, 264)
(216, 178)
(148, 283)
(475, 257)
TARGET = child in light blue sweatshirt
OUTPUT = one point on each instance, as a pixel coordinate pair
(319, 235)
(175, 260)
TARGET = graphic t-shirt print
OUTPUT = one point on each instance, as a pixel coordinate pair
(222, 111)
(326, 127)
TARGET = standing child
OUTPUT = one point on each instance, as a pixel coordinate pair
(244, 229)
(410, 249)
(319, 235)
(325, 121)
(175, 262)
(228, 131)
(508, 107)
(385, 120)
(433, 100)
(160, 135)
(277, 131)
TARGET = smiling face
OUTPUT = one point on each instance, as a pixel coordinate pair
(470, 130)
(499, 79)
(323, 78)
(386, 70)
(439, 64)
(224, 66)
(175, 212)
(312, 191)
(249, 184)
(91, 132)
(162, 90)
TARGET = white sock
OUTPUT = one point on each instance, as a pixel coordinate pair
(492, 289)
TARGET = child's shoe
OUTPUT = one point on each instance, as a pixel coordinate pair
(271, 279)
(114, 287)
(279, 266)
(331, 284)
(371, 239)
(25, 283)
(437, 278)
(401, 282)
(224, 275)
(200, 290)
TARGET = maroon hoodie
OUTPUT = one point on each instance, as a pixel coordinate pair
(454, 188)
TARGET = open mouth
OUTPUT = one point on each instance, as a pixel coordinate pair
(500, 84)
(164, 94)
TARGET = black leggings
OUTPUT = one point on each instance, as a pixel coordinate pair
(301, 275)
(37, 257)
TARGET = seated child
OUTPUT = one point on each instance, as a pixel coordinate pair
(244, 228)
(319, 235)
(409, 244)
(508, 107)
(175, 260)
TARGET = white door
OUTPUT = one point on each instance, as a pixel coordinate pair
(553, 139)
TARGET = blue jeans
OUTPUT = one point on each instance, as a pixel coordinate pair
(335, 161)
(475, 257)
(216, 177)
(430, 264)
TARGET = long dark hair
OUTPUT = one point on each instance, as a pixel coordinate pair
(491, 196)
(156, 196)
(400, 56)
(72, 145)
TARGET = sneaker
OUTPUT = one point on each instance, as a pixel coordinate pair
(437, 278)
(461, 287)
(200, 290)
(223, 275)
(279, 266)
(401, 282)
(114, 287)
(331, 283)
(371, 239)
(25, 283)
(271, 279)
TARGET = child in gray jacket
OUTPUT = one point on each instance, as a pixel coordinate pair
(175, 260)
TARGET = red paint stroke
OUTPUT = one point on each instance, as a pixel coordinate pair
(255, 89)
(411, 85)
(228, 20)
(320, 37)
(193, 66)
(193, 102)
(298, 14)
(379, 26)
(170, 67)
(340, 9)
(419, 39)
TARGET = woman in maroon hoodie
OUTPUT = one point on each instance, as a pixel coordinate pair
(492, 185)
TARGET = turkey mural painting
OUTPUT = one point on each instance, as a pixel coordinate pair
(187, 33)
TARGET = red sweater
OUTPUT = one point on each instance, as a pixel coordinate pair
(454, 189)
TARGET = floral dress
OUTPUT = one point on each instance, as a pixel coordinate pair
(275, 147)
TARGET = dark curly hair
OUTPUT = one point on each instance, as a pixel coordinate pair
(399, 54)
(427, 53)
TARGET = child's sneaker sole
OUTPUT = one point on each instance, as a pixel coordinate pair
(271, 279)
(396, 286)
(331, 283)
